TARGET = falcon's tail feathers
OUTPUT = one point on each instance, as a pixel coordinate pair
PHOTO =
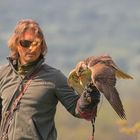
(123, 75)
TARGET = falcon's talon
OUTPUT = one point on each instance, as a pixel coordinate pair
(89, 99)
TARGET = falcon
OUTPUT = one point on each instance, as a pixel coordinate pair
(103, 73)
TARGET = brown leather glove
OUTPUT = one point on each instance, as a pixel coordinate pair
(90, 97)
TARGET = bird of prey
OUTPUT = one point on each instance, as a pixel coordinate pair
(102, 72)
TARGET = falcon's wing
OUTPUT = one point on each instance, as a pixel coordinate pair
(113, 98)
(106, 59)
(118, 72)
(105, 80)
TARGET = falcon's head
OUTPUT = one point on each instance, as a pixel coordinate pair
(80, 68)
(83, 73)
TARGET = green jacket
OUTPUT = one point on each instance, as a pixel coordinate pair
(34, 116)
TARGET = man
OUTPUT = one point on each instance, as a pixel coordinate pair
(31, 89)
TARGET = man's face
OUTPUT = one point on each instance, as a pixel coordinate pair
(29, 47)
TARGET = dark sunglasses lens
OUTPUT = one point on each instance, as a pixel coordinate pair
(25, 43)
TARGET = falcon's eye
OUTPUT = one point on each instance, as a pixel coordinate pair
(80, 70)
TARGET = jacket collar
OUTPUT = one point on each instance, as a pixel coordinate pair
(34, 65)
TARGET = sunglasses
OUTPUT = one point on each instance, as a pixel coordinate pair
(28, 43)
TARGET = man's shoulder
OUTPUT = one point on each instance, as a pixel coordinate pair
(50, 68)
(4, 67)
(55, 71)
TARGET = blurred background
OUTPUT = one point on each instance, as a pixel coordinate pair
(77, 29)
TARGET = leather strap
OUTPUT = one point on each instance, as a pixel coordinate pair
(9, 114)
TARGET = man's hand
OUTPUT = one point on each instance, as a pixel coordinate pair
(90, 97)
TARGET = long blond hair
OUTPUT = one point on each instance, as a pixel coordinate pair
(20, 29)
